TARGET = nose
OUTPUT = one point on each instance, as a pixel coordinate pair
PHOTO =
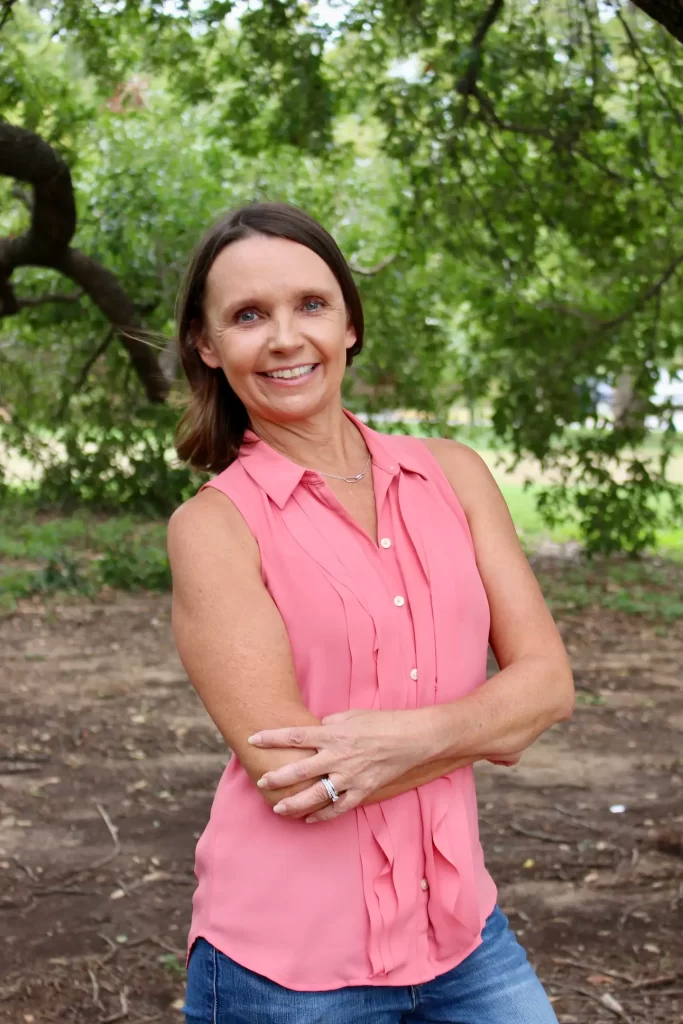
(285, 335)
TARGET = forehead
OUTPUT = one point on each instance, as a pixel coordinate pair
(276, 264)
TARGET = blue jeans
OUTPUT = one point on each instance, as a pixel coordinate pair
(494, 985)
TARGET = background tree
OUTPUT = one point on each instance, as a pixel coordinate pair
(511, 173)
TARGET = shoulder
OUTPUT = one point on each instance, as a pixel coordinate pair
(208, 525)
(465, 470)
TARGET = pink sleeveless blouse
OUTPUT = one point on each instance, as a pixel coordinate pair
(395, 893)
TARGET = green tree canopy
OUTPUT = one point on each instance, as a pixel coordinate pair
(505, 179)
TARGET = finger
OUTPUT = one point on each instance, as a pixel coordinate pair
(304, 802)
(297, 771)
(294, 736)
(346, 802)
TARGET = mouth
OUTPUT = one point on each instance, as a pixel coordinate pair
(291, 374)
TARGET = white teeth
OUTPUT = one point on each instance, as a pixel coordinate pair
(299, 371)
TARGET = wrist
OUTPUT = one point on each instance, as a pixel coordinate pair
(436, 733)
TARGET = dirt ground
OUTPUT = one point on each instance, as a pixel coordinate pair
(108, 765)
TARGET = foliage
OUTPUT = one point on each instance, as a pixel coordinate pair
(512, 173)
(79, 554)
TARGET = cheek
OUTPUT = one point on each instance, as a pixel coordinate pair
(240, 351)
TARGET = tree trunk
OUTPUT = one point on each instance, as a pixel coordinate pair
(667, 13)
(26, 157)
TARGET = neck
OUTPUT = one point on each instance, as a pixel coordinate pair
(328, 442)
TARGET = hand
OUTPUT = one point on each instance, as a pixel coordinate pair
(361, 751)
(506, 761)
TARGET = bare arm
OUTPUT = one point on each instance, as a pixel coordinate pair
(229, 633)
(533, 690)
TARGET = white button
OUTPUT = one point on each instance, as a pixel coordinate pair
(424, 884)
(413, 674)
(385, 542)
(399, 601)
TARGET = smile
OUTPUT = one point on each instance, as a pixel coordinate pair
(295, 373)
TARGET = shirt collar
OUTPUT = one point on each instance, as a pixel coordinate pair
(279, 477)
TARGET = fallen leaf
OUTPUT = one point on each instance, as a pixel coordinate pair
(599, 979)
(529, 863)
(611, 1003)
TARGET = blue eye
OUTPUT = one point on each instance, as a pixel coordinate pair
(312, 305)
(246, 313)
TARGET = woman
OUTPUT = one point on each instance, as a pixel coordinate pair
(335, 590)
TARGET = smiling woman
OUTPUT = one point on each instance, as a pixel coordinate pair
(334, 594)
(257, 274)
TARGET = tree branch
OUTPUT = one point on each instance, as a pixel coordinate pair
(5, 12)
(26, 157)
(467, 81)
(667, 13)
(371, 271)
(653, 290)
(507, 126)
(638, 51)
(85, 370)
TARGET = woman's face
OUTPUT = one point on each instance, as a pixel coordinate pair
(276, 323)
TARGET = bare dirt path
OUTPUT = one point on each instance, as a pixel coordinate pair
(108, 765)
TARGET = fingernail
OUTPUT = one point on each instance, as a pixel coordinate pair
(256, 738)
(309, 821)
(279, 808)
(262, 783)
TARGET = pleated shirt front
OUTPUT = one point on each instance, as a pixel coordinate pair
(395, 893)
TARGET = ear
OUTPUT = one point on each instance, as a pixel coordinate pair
(350, 339)
(204, 347)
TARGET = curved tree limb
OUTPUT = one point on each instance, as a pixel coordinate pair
(465, 85)
(667, 13)
(5, 11)
(26, 157)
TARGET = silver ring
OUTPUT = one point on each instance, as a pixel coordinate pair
(329, 789)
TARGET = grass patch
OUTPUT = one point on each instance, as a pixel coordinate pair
(78, 554)
(650, 588)
(81, 553)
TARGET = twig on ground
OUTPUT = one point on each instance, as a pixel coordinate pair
(29, 870)
(25, 758)
(110, 942)
(577, 817)
(68, 890)
(606, 1001)
(12, 990)
(168, 947)
(123, 1012)
(568, 961)
(95, 987)
(114, 833)
(543, 836)
(662, 979)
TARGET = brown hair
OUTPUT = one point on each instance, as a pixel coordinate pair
(212, 429)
